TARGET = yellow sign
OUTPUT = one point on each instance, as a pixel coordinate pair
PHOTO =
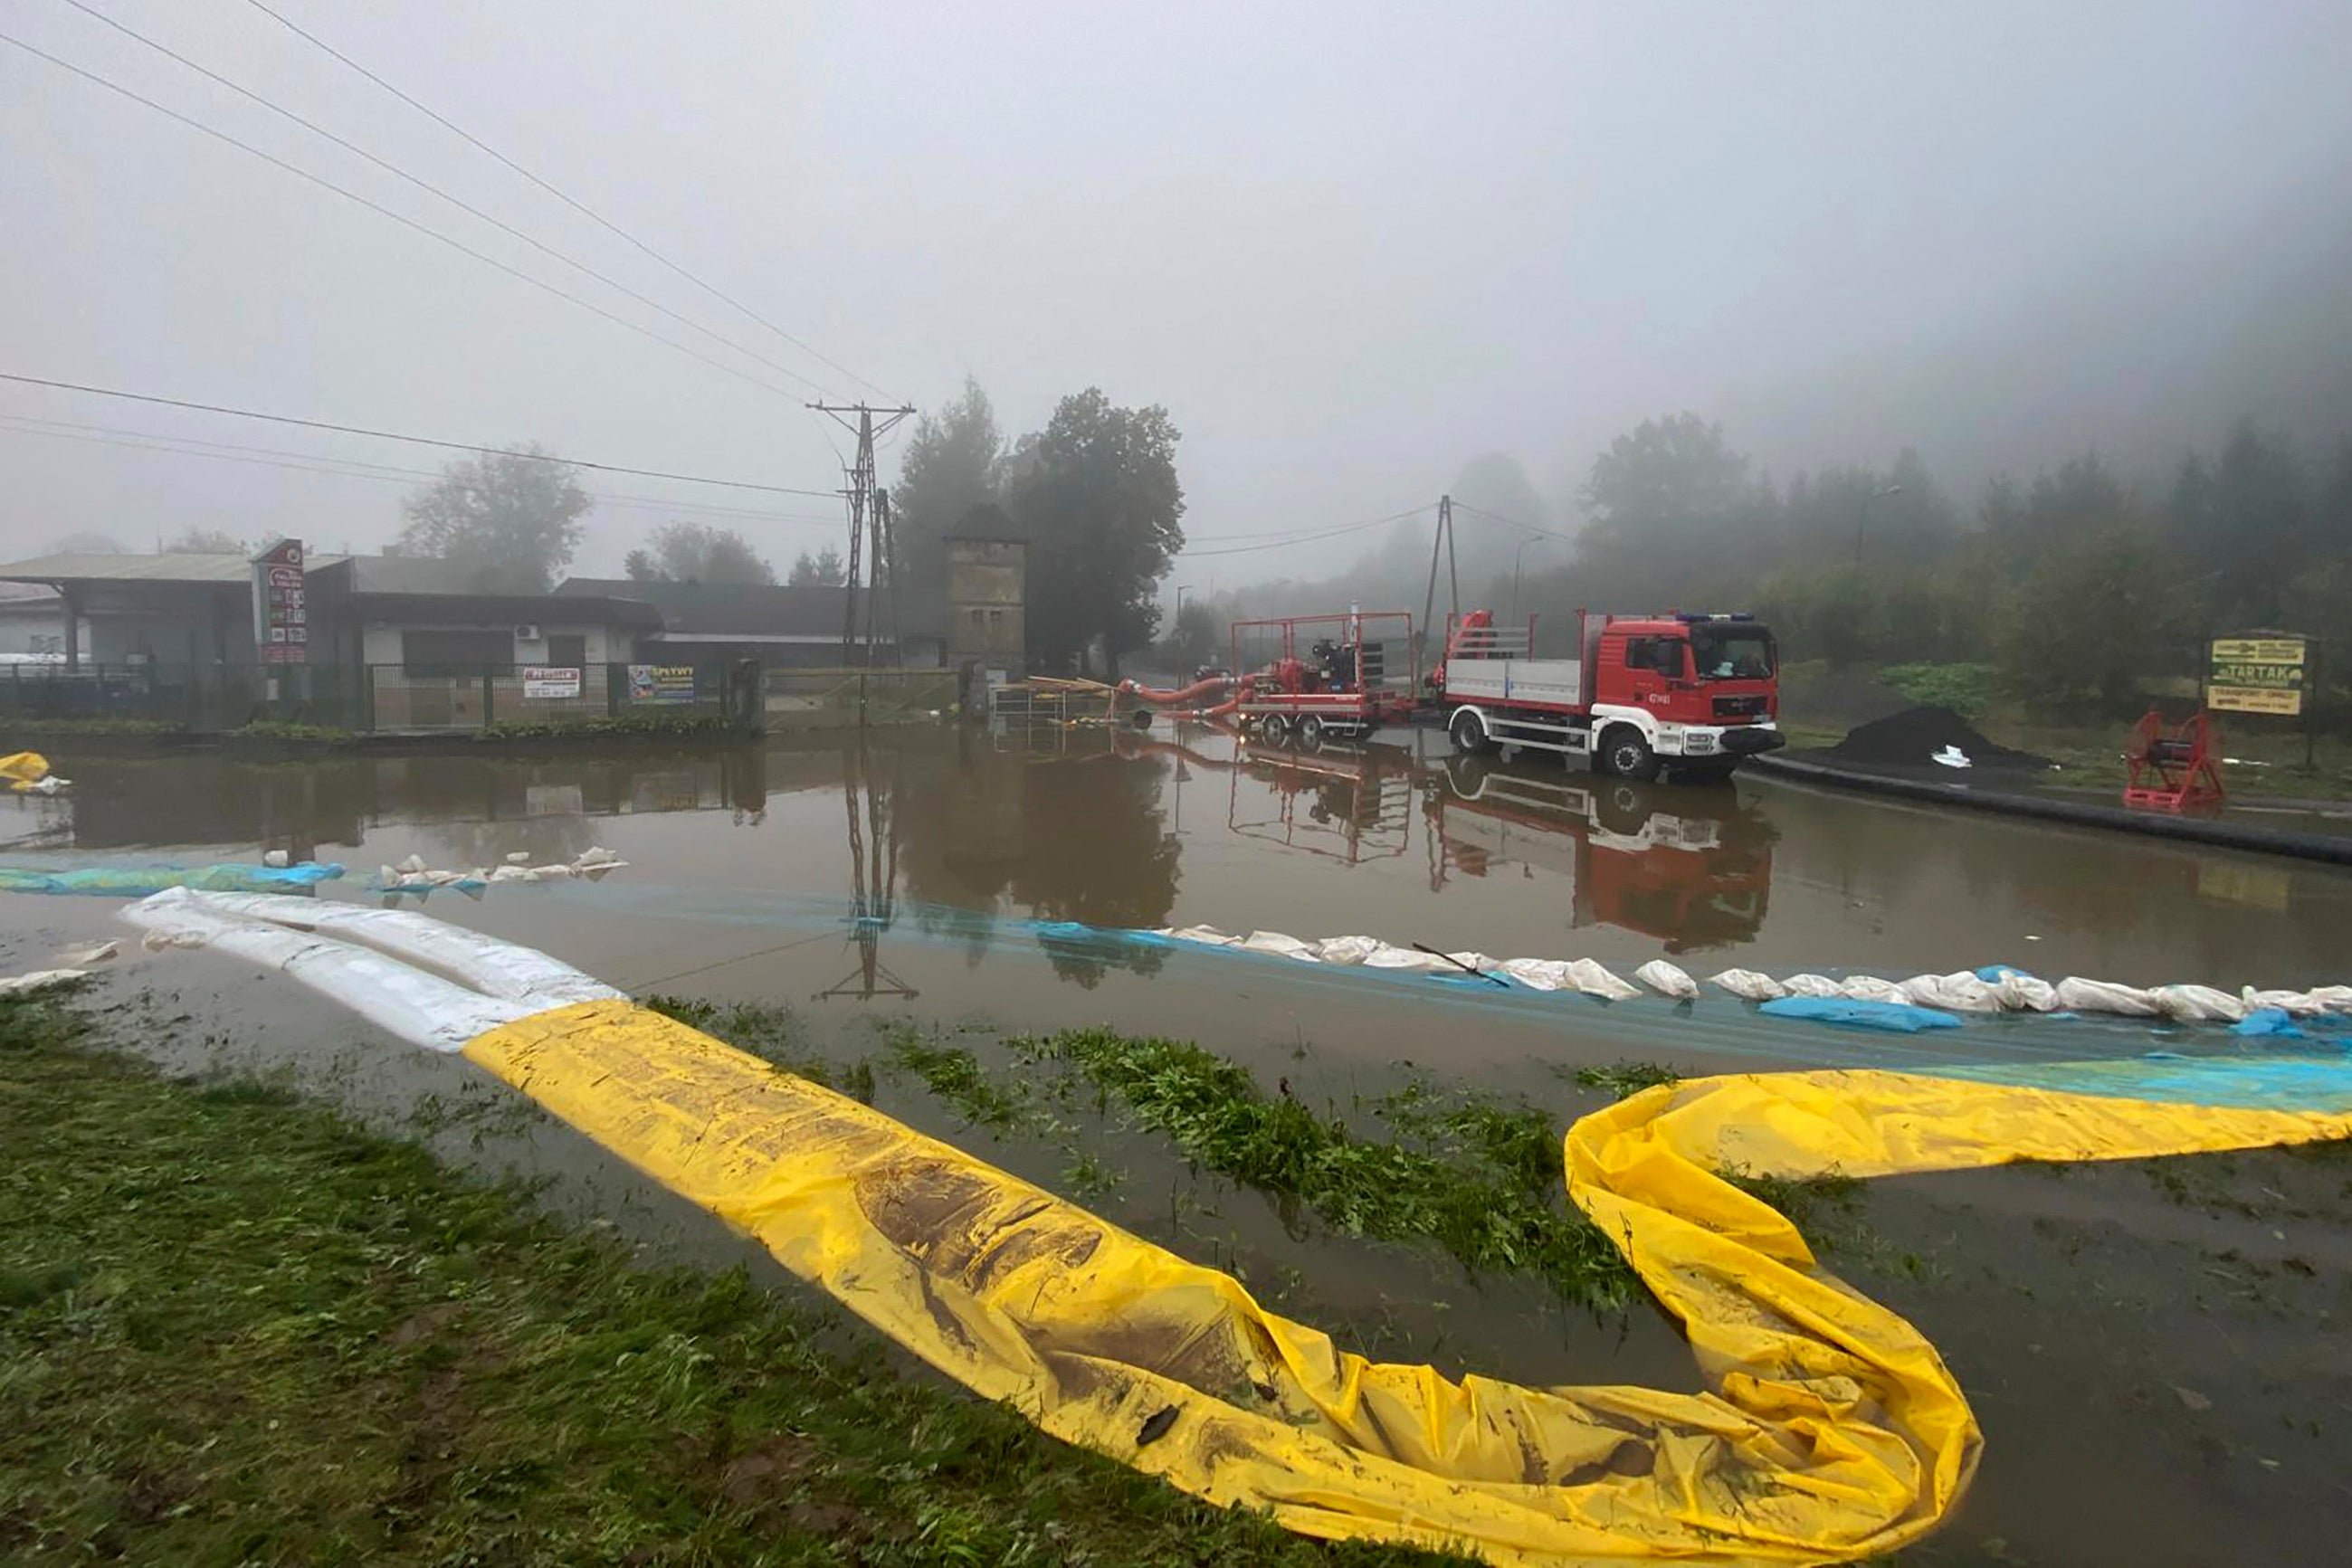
(2256, 675)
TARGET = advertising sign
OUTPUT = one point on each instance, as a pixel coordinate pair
(281, 620)
(550, 683)
(661, 682)
(2256, 675)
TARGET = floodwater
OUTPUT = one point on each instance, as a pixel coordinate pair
(915, 876)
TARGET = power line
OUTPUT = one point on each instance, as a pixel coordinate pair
(589, 213)
(1514, 522)
(416, 440)
(426, 185)
(1191, 554)
(346, 468)
(402, 219)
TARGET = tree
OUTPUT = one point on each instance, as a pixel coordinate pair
(690, 552)
(952, 464)
(1194, 637)
(822, 570)
(1099, 502)
(2103, 608)
(638, 566)
(2246, 520)
(1671, 476)
(86, 544)
(513, 518)
(206, 541)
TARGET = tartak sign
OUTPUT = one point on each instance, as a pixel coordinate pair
(2256, 675)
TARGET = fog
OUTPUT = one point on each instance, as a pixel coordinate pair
(1351, 248)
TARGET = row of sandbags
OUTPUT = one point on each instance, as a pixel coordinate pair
(1995, 988)
(413, 875)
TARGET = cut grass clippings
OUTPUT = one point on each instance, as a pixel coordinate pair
(236, 1328)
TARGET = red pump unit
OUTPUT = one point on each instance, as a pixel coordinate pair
(2174, 770)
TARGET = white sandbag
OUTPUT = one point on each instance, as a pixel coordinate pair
(2298, 1004)
(1871, 988)
(88, 953)
(1812, 985)
(1749, 985)
(1539, 974)
(1667, 980)
(596, 854)
(413, 864)
(2331, 999)
(1594, 979)
(38, 980)
(1390, 957)
(523, 857)
(2019, 992)
(1347, 949)
(1275, 943)
(2078, 995)
(510, 873)
(2198, 1004)
(275, 858)
(1959, 992)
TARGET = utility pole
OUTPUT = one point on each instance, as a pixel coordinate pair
(864, 515)
(1442, 540)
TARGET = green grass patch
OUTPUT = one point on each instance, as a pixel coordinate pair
(1622, 1078)
(1483, 1181)
(236, 1328)
(1966, 689)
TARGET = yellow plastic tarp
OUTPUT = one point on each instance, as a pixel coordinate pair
(23, 769)
(1833, 1430)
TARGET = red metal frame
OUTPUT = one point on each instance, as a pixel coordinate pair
(2180, 770)
(1263, 691)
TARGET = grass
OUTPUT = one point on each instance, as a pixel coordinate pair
(620, 727)
(236, 1328)
(1966, 689)
(1625, 1078)
(1481, 1180)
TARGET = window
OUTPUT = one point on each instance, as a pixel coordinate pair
(568, 650)
(1661, 655)
(1732, 654)
(451, 652)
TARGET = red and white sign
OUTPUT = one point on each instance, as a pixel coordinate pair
(281, 616)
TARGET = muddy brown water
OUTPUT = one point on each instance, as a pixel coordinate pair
(2157, 1351)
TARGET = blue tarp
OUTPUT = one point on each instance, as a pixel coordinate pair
(138, 882)
(1893, 1018)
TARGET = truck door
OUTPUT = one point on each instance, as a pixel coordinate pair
(1650, 663)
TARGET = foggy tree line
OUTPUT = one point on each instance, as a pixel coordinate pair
(2075, 586)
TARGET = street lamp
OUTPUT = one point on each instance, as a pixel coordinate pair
(1862, 516)
(1517, 557)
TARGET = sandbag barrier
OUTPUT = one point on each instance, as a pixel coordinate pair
(139, 882)
(1831, 1431)
(1868, 1000)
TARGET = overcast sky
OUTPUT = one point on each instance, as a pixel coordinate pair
(1348, 247)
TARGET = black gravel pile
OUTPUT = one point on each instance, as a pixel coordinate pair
(1912, 737)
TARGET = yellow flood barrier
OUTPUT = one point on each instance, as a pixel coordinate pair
(24, 769)
(1833, 1431)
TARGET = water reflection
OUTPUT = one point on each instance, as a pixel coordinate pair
(951, 840)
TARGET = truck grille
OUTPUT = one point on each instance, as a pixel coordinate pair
(1739, 707)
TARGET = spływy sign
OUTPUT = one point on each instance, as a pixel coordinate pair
(282, 620)
(2256, 675)
(549, 681)
(661, 682)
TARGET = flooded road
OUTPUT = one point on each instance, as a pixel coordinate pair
(911, 879)
(748, 868)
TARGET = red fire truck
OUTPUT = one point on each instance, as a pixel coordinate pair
(1693, 693)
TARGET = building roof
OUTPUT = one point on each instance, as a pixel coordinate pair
(722, 612)
(492, 608)
(171, 567)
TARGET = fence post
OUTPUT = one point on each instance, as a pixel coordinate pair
(487, 699)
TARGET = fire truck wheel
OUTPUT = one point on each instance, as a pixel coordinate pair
(1468, 732)
(1310, 732)
(1271, 728)
(1625, 753)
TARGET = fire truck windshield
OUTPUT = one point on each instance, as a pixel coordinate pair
(1731, 652)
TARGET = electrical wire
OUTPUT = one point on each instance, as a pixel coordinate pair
(415, 440)
(1514, 522)
(348, 468)
(586, 211)
(400, 218)
(1188, 553)
(426, 185)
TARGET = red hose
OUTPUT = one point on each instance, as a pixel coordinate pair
(1181, 697)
